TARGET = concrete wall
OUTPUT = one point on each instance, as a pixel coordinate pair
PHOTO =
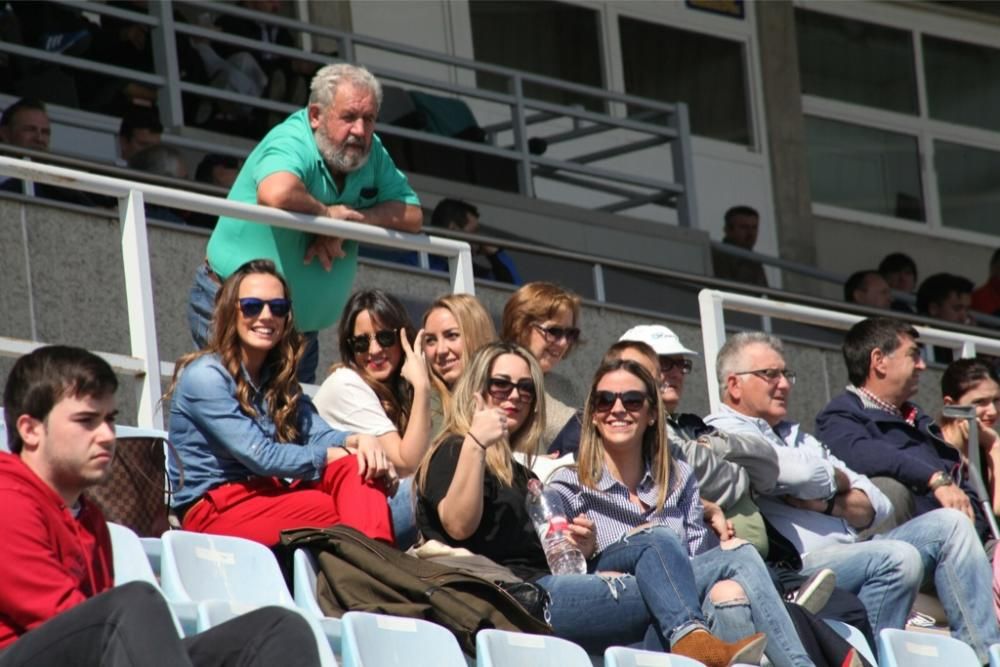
(65, 266)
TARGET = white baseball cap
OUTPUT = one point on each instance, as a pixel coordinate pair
(663, 341)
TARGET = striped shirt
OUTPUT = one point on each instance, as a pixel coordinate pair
(614, 515)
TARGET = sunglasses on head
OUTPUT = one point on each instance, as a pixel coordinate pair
(553, 334)
(252, 306)
(500, 388)
(386, 338)
(667, 364)
(632, 401)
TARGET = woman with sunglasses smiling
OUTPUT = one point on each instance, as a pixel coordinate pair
(641, 499)
(471, 494)
(381, 387)
(455, 327)
(542, 317)
(254, 456)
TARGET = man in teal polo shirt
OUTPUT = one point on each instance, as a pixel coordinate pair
(323, 160)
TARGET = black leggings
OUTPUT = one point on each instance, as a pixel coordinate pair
(130, 626)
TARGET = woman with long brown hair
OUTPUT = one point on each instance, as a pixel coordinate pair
(254, 456)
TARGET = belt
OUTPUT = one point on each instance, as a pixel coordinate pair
(213, 276)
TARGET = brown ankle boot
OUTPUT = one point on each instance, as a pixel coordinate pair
(713, 652)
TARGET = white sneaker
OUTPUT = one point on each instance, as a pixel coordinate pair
(815, 591)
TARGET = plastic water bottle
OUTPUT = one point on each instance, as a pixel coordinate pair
(546, 511)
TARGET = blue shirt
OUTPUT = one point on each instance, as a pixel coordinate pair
(614, 515)
(217, 442)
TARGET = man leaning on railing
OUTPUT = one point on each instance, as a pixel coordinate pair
(323, 160)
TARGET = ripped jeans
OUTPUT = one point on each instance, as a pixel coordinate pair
(659, 598)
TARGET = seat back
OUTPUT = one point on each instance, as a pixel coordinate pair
(498, 648)
(4, 447)
(197, 567)
(995, 655)
(375, 640)
(620, 656)
(304, 570)
(130, 560)
(854, 636)
(900, 648)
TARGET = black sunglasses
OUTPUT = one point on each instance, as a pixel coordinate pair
(500, 388)
(667, 364)
(386, 338)
(632, 401)
(252, 306)
(552, 334)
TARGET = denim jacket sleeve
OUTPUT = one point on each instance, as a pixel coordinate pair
(206, 393)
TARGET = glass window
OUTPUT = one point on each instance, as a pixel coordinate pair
(706, 72)
(553, 39)
(968, 186)
(963, 82)
(856, 62)
(864, 168)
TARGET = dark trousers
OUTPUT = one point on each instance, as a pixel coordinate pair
(130, 626)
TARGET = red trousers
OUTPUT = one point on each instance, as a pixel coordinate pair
(259, 509)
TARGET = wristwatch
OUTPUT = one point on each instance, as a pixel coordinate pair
(939, 479)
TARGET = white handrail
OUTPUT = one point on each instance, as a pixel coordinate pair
(713, 303)
(144, 362)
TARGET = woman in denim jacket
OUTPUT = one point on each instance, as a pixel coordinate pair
(254, 458)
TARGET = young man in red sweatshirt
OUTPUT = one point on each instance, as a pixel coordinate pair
(58, 602)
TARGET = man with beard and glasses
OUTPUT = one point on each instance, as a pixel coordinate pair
(324, 160)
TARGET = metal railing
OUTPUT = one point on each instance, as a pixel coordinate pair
(630, 190)
(144, 362)
(713, 303)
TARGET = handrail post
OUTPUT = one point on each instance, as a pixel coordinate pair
(599, 292)
(347, 49)
(139, 300)
(463, 280)
(683, 162)
(968, 350)
(520, 130)
(713, 337)
(165, 62)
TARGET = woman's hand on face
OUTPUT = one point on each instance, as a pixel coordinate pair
(582, 534)
(489, 424)
(373, 462)
(414, 368)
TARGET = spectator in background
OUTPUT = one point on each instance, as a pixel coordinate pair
(25, 124)
(900, 271)
(741, 227)
(218, 170)
(868, 288)
(946, 297)
(161, 160)
(464, 217)
(986, 297)
(140, 128)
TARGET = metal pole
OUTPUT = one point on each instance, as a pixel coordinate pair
(968, 413)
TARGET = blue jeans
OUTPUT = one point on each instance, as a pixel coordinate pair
(939, 546)
(201, 305)
(658, 601)
(404, 519)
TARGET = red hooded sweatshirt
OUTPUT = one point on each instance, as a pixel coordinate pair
(52, 560)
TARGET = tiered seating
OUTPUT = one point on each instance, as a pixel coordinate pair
(902, 648)
(619, 656)
(496, 648)
(374, 640)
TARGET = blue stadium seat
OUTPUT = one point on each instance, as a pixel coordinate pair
(229, 575)
(854, 636)
(901, 648)
(498, 648)
(375, 640)
(995, 655)
(304, 570)
(619, 656)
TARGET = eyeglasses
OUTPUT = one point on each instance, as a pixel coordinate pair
(667, 364)
(252, 306)
(386, 338)
(632, 401)
(501, 388)
(553, 334)
(771, 375)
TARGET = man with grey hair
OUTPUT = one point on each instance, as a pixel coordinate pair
(819, 505)
(324, 160)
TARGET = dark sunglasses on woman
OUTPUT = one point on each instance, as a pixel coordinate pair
(500, 388)
(553, 334)
(252, 306)
(386, 338)
(632, 401)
